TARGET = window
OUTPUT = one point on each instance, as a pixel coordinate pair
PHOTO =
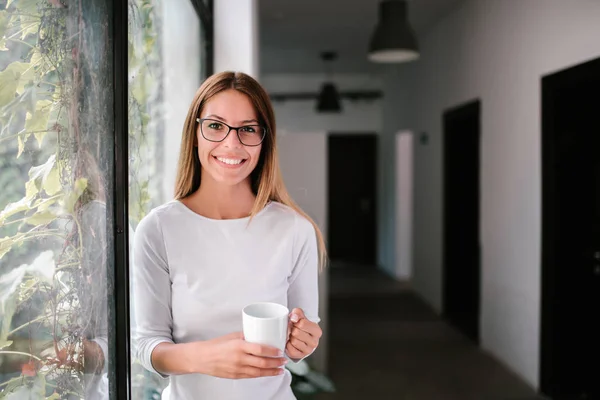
(62, 186)
(56, 156)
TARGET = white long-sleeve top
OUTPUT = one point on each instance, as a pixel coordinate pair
(193, 276)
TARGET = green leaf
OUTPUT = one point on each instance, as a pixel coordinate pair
(31, 24)
(52, 181)
(5, 343)
(38, 122)
(8, 86)
(28, 101)
(54, 396)
(5, 245)
(31, 190)
(44, 176)
(41, 218)
(44, 204)
(13, 208)
(24, 73)
(13, 80)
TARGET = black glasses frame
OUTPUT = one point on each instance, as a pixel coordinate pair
(232, 128)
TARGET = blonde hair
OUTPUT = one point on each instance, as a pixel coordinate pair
(266, 181)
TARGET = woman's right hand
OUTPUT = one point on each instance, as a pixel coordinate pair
(231, 357)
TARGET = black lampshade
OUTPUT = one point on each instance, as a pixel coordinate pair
(393, 40)
(329, 99)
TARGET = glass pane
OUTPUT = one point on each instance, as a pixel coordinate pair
(165, 69)
(56, 130)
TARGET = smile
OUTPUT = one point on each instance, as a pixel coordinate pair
(230, 161)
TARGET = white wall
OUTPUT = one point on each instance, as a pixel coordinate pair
(236, 36)
(397, 115)
(182, 69)
(404, 204)
(496, 50)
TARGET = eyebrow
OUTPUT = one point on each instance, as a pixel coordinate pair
(246, 121)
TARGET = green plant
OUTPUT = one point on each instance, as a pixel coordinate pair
(53, 107)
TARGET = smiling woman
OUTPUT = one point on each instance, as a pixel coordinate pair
(197, 258)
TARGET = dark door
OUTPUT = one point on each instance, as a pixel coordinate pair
(352, 187)
(570, 349)
(461, 218)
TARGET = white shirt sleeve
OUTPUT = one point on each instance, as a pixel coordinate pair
(303, 291)
(152, 290)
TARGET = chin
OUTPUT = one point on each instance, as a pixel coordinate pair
(231, 182)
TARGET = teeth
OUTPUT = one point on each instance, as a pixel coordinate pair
(229, 161)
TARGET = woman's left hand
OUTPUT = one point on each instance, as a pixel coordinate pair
(303, 335)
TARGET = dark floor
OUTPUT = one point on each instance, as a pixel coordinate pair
(385, 343)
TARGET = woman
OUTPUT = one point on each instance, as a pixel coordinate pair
(231, 237)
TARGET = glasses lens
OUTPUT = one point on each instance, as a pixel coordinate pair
(214, 130)
(251, 135)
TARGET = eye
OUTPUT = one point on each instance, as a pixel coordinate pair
(215, 125)
(248, 129)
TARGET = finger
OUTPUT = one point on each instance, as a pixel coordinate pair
(234, 335)
(296, 315)
(264, 362)
(310, 327)
(289, 330)
(229, 336)
(253, 372)
(305, 337)
(300, 345)
(293, 352)
(261, 350)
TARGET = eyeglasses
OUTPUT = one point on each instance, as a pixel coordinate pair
(216, 131)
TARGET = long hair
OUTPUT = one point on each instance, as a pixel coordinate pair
(266, 181)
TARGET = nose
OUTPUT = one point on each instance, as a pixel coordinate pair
(232, 140)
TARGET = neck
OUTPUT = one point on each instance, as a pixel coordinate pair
(218, 201)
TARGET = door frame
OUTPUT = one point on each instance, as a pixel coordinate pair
(449, 114)
(550, 87)
(375, 136)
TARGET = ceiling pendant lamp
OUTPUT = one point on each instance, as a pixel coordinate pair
(393, 41)
(329, 98)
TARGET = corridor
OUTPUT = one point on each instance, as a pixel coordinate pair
(385, 343)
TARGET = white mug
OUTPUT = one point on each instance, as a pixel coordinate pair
(266, 323)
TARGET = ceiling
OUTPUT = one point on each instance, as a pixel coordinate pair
(293, 33)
